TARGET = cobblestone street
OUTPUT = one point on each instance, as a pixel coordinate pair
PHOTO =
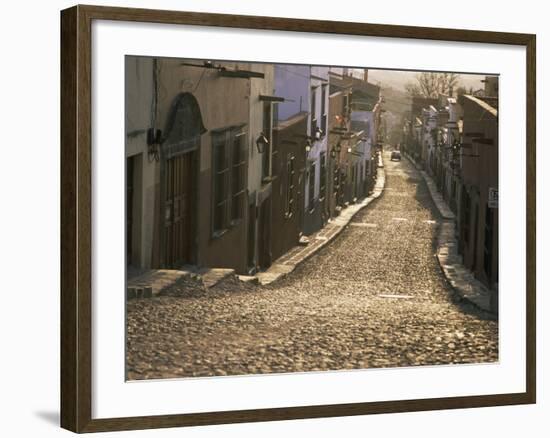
(375, 297)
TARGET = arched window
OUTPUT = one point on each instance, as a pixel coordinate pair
(184, 126)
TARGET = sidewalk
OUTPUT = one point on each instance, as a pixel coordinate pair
(297, 255)
(460, 278)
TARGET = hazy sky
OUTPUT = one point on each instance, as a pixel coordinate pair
(398, 79)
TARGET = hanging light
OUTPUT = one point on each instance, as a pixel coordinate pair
(262, 142)
(318, 133)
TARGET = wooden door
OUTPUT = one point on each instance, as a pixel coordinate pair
(129, 208)
(179, 209)
(264, 235)
(476, 226)
(251, 247)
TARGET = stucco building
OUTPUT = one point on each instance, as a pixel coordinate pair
(290, 132)
(479, 196)
(189, 135)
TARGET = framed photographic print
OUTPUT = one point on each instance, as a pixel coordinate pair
(270, 218)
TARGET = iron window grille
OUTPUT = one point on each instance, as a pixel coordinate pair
(324, 115)
(323, 177)
(267, 130)
(313, 110)
(311, 187)
(290, 185)
(229, 178)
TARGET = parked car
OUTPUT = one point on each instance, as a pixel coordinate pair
(395, 155)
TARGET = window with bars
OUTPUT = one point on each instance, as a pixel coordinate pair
(275, 159)
(488, 242)
(466, 216)
(267, 125)
(290, 163)
(323, 177)
(345, 105)
(238, 177)
(313, 110)
(324, 115)
(336, 181)
(229, 178)
(311, 187)
(221, 182)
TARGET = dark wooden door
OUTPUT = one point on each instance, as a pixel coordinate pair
(251, 247)
(264, 235)
(476, 226)
(179, 208)
(129, 207)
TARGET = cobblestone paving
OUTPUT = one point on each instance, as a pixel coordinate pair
(375, 297)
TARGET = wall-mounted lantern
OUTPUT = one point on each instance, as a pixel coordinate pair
(308, 145)
(262, 142)
(318, 133)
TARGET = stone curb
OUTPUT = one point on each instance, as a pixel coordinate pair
(279, 270)
(457, 275)
(444, 210)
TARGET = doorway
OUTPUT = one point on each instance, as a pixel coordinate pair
(129, 208)
(251, 246)
(179, 206)
(264, 235)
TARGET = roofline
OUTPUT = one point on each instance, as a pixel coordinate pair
(482, 104)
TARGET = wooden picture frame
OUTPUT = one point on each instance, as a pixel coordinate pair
(76, 218)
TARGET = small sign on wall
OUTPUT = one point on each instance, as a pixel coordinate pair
(493, 198)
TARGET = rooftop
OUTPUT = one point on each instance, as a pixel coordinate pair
(484, 103)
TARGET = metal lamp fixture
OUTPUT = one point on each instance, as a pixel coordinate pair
(262, 142)
(308, 145)
(318, 133)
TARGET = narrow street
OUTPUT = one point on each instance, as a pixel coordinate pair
(375, 297)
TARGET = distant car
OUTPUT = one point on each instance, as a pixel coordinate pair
(395, 155)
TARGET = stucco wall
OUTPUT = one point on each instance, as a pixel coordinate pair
(223, 103)
(139, 113)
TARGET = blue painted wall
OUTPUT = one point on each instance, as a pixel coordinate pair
(292, 83)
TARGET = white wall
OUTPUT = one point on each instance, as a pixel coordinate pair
(29, 181)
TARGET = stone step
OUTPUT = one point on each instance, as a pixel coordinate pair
(151, 283)
(250, 279)
(212, 276)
